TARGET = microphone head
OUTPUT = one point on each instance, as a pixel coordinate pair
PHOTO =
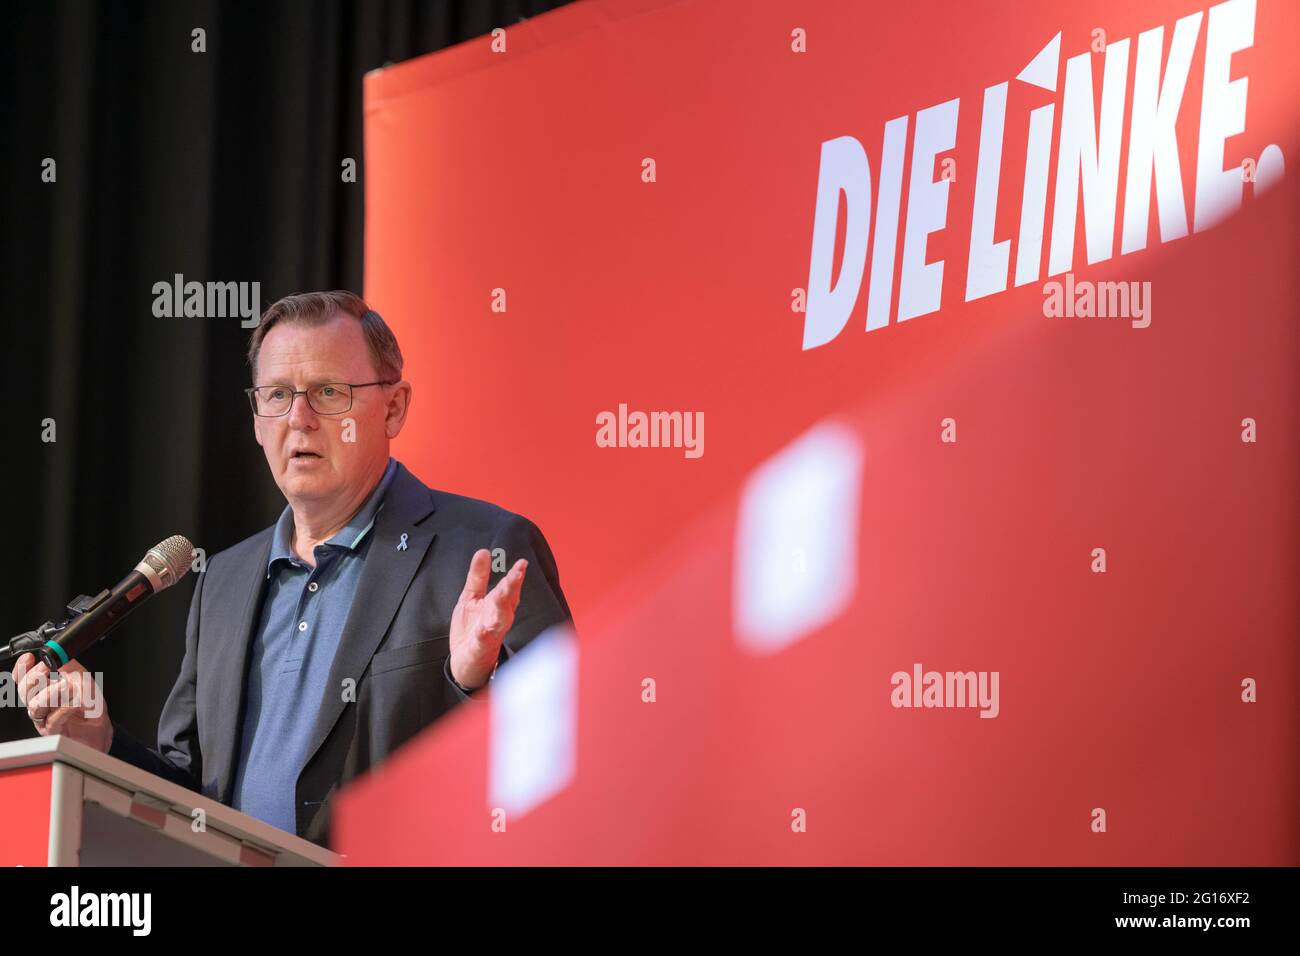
(167, 562)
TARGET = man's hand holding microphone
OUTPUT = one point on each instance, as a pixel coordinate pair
(72, 704)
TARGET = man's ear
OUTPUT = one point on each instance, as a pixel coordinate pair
(398, 405)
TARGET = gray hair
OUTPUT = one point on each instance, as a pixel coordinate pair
(317, 308)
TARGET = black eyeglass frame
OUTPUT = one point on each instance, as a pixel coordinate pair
(252, 397)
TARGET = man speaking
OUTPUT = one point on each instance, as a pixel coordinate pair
(318, 646)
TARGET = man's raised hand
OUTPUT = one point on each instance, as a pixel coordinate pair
(482, 619)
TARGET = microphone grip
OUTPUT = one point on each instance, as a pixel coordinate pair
(95, 622)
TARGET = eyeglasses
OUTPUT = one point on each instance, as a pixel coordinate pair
(332, 398)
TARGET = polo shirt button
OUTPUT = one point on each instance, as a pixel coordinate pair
(302, 625)
(313, 586)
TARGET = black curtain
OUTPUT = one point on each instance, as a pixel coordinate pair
(223, 166)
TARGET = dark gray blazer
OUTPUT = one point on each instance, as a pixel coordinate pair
(394, 645)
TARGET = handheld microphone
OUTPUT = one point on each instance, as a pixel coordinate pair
(90, 618)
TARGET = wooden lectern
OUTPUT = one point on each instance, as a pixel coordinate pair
(65, 804)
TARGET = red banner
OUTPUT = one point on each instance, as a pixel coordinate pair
(910, 398)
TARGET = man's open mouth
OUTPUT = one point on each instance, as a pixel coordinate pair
(304, 454)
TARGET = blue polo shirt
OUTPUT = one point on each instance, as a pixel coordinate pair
(293, 648)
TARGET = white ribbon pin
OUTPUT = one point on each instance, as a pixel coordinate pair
(401, 545)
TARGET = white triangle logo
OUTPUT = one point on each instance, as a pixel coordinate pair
(1042, 69)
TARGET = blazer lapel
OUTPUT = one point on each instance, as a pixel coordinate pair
(388, 572)
(250, 582)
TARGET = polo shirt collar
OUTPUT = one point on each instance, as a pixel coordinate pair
(348, 537)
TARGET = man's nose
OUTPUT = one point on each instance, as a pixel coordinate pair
(301, 414)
